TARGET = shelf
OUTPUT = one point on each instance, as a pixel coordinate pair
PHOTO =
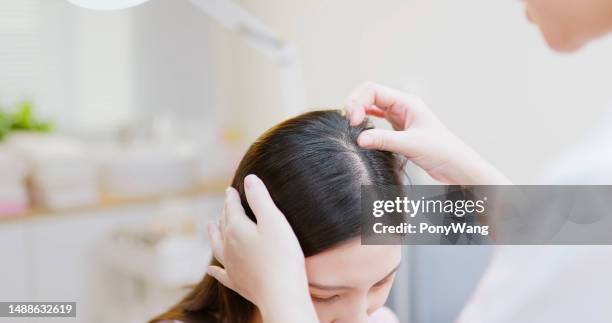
(108, 202)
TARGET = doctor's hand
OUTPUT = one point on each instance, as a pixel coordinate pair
(418, 135)
(261, 261)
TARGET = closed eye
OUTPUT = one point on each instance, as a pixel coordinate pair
(329, 299)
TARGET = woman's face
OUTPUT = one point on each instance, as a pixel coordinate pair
(351, 281)
(567, 25)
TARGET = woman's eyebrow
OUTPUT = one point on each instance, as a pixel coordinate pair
(332, 287)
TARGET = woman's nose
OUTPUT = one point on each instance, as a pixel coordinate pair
(356, 318)
(358, 312)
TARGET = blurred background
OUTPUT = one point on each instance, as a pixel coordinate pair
(119, 130)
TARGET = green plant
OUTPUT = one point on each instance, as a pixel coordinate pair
(23, 118)
(5, 124)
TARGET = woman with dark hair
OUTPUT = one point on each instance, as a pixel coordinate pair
(250, 253)
(313, 170)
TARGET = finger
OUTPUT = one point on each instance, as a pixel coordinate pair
(375, 111)
(235, 214)
(259, 198)
(357, 115)
(216, 241)
(355, 106)
(222, 227)
(221, 275)
(223, 219)
(400, 142)
(227, 214)
(354, 113)
(370, 94)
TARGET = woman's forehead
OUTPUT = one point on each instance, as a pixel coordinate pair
(352, 264)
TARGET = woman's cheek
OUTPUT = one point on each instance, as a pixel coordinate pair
(557, 24)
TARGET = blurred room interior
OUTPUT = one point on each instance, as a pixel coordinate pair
(120, 130)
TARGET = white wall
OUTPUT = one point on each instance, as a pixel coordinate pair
(74, 64)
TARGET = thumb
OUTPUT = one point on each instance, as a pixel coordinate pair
(220, 274)
(399, 142)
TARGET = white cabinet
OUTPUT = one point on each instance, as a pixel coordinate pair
(14, 257)
(57, 258)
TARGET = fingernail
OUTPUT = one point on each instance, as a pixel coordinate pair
(249, 181)
(365, 140)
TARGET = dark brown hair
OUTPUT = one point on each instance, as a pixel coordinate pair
(313, 169)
